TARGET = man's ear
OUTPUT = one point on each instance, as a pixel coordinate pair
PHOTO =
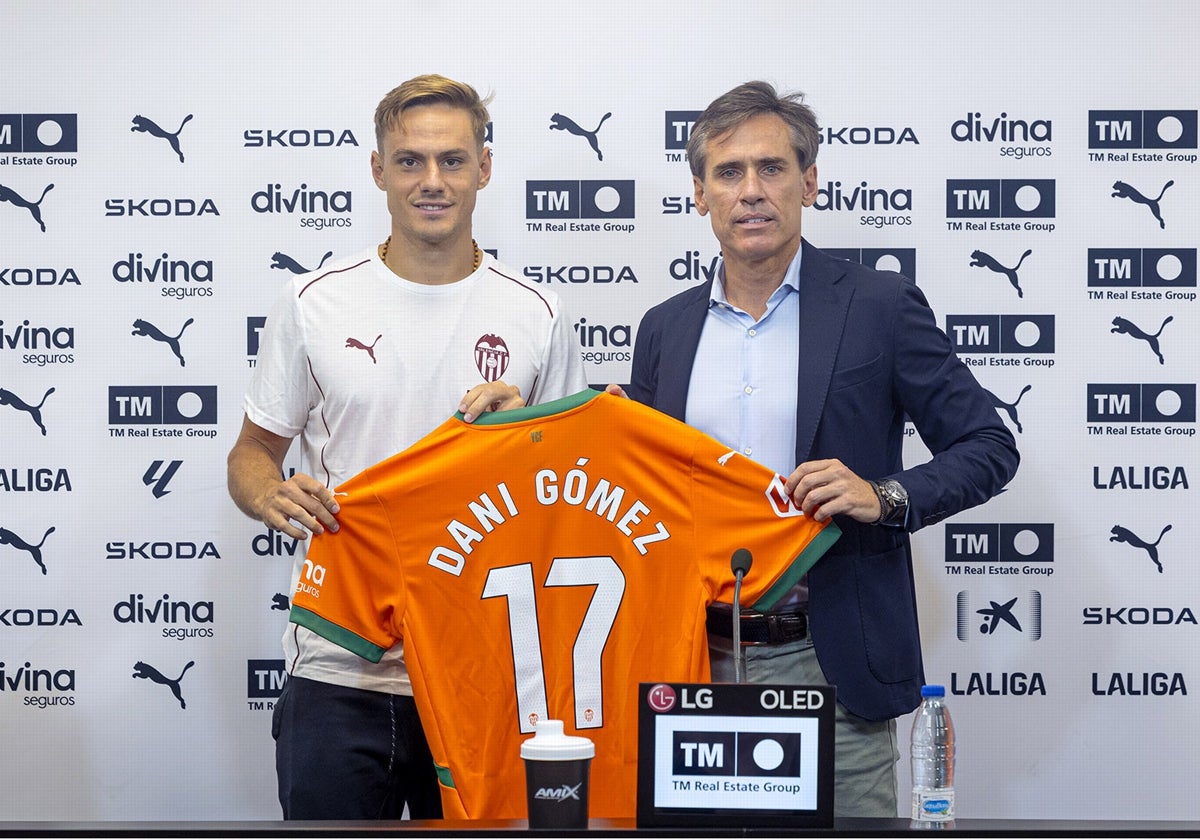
(810, 186)
(701, 204)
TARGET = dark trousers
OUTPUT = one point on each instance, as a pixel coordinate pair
(348, 754)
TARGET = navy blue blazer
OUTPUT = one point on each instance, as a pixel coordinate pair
(870, 352)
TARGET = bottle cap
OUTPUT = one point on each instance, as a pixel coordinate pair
(550, 744)
(933, 691)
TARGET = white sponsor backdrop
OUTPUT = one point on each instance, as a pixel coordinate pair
(1056, 719)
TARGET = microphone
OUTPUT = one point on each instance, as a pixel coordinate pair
(740, 564)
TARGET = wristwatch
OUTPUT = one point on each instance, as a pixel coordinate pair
(893, 502)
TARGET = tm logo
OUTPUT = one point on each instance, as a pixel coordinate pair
(1001, 333)
(1132, 402)
(1133, 267)
(265, 677)
(1005, 198)
(1142, 129)
(39, 133)
(162, 405)
(677, 128)
(579, 199)
(736, 754)
(1026, 542)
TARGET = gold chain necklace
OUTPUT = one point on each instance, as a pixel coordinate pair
(477, 259)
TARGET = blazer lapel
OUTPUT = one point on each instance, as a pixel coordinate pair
(824, 303)
(679, 342)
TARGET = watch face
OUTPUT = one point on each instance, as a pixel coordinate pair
(894, 491)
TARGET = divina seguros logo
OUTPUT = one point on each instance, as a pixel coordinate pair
(181, 278)
(1016, 135)
(881, 207)
(38, 344)
(317, 208)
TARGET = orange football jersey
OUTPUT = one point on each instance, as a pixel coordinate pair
(540, 563)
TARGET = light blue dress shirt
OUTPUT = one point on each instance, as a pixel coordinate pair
(743, 389)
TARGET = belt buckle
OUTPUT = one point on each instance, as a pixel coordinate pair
(785, 627)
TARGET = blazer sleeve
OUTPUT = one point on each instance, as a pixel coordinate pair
(974, 454)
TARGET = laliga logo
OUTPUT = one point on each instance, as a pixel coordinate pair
(781, 502)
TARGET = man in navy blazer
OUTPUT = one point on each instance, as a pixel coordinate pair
(860, 350)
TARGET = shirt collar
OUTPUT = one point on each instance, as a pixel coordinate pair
(791, 280)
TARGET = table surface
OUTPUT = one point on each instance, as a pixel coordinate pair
(597, 827)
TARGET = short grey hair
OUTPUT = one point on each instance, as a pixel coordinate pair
(748, 100)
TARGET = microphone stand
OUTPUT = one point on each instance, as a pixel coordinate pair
(739, 654)
(740, 564)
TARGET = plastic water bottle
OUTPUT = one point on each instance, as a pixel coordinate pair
(932, 754)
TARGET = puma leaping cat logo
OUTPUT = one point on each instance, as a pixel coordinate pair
(142, 671)
(1123, 190)
(17, 200)
(34, 411)
(355, 343)
(149, 126)
(560, 123)
(279, 601)
(1124, 535)
(979, 259)
(1008, 408)
(282, 260)
(7, 537)
(141, 327)
(1127, 327)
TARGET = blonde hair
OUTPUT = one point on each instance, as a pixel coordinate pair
(431, 89)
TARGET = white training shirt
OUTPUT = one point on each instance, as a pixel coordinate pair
(361, 364)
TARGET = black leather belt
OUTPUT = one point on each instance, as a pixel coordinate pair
(758, 628)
